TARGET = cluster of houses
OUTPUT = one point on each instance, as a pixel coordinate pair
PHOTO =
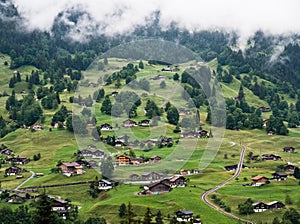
(195, 134)
(125, 160)
(261, 180)
(162, 185)
(58, 205)
(261, 206)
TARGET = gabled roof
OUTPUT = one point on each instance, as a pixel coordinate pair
(185, 212)
(258, 178)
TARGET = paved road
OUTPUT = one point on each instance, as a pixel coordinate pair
(213, 190)
(25, 181)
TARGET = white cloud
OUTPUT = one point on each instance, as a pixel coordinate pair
(273, 16)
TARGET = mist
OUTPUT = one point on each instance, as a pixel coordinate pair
(113, 17)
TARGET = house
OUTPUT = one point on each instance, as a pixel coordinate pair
(270, 157)
(83, 163)
(166, 141)
(105, 127)
(98, 154)
(279, 176)
(93, 85)
(91, 146)
(158, 77)
(122, 160)
(105, 185)
(255, 157)
(136, 161)
(85, 153)
(157, 188)
(168, 69)
(129, 123)
(177, 181)
(185, 172)
(259, 207)
(233, 167)
(289, 149)
(152, 176)
(155, 159)
(60, 205)
(6, 151)
(134, 176)
(93, 164)
(259, 180)
(119, 143)
(265, 108)
(184, 216)
(144, 123)
(203, 134)
(275, 205)
(71, 168)
(189, 134)
(114, 93)
(16, 198)
(37, 127)
(17, 160)
(12, 171)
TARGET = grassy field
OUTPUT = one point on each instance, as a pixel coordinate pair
(60, 145)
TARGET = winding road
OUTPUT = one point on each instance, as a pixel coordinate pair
(205, 195)
(25, 181)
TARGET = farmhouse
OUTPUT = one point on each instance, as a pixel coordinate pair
(37, 127)
(259, 180)
(259, 207)
(155, 159)
(177, 181)
(6, 151)
(17, 160)
(16, 198)
(85, 153)
(129, 123)
(144, 123)
(12, 171)
(98, 154)
(105, 127)
(60, 206)
(270, 157)
(288, 149)
(265, 108)
(152, 176)
(279, 176)
(71, 168)
(136, 161)
(276, 205)
(184, 216)
(105, 185)
(233, 167)
(114, 93)
(157, 188)
(189, 134)
(203, 134)
(122, 160)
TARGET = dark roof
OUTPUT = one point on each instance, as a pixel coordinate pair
(185, 212)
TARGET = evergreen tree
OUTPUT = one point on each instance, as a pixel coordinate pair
(173, 116)
(159, 218)
(122, 210)
(297, 173)
(147, 217)
(107, 167)
(141, 65)
(129, 215)
(106, 106)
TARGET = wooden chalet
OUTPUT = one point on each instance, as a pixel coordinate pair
(270, 157)
(289, 149)
(275, 205)
(122, 160)
(233, 167)
(16, 198)
(279, 176)
(259, 207)
(13, 170)
(155, 159)
(105, 127)
(105, 185)
(203, 134)
(129, 123)
(157, 188)
(17, 160)
(184, 216)
(259, 180)
(136, 161)
(189, 134)
(152, 176)
(177, 181)
(6, 152)
(144, 123)
(71, 168)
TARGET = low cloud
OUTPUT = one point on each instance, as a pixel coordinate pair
(121, 17)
